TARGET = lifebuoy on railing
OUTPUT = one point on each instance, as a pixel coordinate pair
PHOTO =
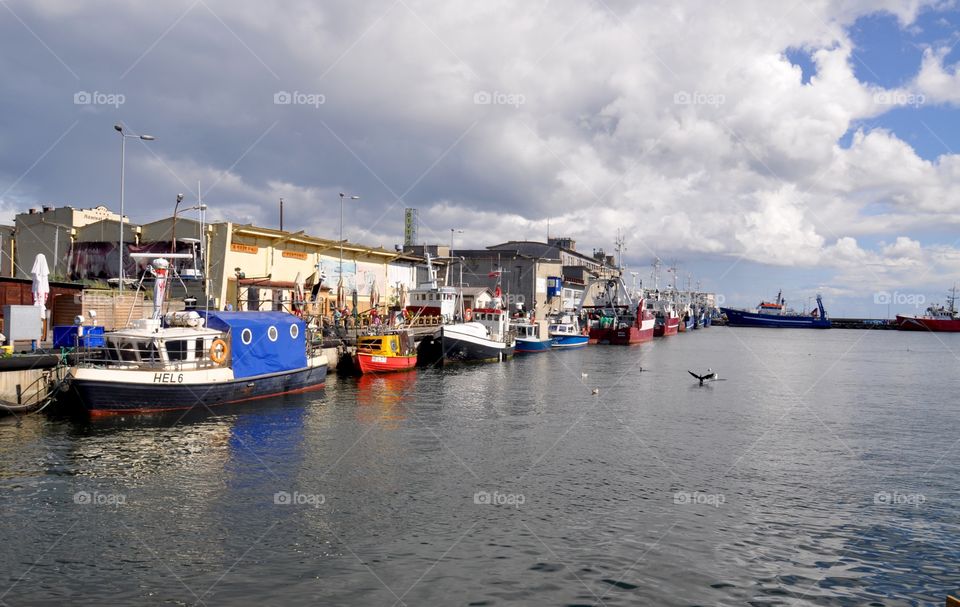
(468, 314)
(218, 351)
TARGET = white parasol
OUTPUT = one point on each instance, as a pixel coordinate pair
(41, 282)
(298, 295)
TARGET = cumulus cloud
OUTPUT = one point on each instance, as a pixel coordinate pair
(682, 124)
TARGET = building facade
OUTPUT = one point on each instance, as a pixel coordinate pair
(52, 231)
(249, 267)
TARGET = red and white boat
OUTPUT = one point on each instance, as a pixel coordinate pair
(938, 319)
(614, 318)
(429, 300)
(666, 319)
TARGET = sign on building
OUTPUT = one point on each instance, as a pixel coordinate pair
(411, 220)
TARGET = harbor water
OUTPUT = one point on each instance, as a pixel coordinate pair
(821, 470)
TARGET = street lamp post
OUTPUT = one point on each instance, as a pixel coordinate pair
(173, 228)
(452, 230)
(448, 278)
(123, 149)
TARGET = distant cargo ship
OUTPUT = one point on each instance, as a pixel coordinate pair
(938, 319)
(777, 315)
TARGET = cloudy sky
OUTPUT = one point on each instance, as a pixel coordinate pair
(803, 145)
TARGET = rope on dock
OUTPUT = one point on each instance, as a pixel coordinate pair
(55, 384)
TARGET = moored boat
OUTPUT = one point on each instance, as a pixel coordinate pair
(183, 360)
(386, 353)
(430, 300)
(528, 338)
(938, 319)
(486, 338)
(777, 315)
(565, 333)
(614, 318)
(666, 319)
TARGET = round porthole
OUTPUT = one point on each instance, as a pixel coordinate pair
(294, 331)
(272, 333)
(246, 336)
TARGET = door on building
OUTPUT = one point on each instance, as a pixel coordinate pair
(253, 298)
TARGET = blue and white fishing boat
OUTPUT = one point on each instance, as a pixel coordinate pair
(777, 315)
(528, 338)
(182, 360)
(564, 330)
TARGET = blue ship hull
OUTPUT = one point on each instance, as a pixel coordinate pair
(570, 342)
(742, 318)
(528, 346)
(104, 397)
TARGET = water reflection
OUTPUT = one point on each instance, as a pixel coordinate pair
(381, 397)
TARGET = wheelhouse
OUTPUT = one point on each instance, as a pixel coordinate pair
(392, 344)
(527, 330)
(173, 349)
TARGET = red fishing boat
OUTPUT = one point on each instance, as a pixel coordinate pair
(666, 319)
(614, 318)
(385, 353)
(938, 319)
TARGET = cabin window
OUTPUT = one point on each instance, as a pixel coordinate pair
(128, 352)
(393, 345)
(272, 333)
(294, 331)
(151, 353)
(177, 349)
(246, 336)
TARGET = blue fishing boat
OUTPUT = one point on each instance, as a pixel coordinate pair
(564, 330)
(197, 358)
(528, 338)
(777, 315)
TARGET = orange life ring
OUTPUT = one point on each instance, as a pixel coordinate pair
(468, 314)
(218, 351)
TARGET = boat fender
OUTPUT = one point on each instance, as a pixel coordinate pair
(468, 314)
(219, 351)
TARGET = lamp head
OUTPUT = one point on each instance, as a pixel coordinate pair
(179, 198)
(118, 128)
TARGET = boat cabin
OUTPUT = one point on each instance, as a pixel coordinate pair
(171, 349)
(527, 330)
(391, 344)
(494, 319)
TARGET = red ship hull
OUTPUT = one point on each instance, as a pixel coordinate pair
(369, 363)
(621, 337)
(920, 323)
(670, 327)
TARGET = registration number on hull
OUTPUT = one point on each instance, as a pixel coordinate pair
(168, 378)
(378, 359)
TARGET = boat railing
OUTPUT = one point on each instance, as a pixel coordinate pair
(145, 359)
